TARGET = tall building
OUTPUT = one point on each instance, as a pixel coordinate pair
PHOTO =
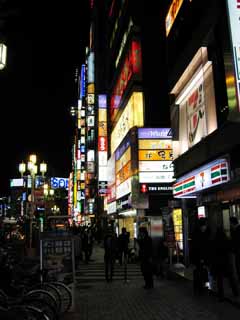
(204, 86)
(134, 143)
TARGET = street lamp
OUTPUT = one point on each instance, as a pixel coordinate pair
(32, 168)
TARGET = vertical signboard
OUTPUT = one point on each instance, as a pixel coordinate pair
(102, 144)
(234, 26)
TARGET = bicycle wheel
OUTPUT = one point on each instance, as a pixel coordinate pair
(41, 295)
(66, 295)
(34, 313)
(44, 307)
(53, 290)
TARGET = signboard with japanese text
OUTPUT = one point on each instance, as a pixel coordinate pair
(155, 155)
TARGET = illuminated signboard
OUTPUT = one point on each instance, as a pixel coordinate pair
(82, 82)
(155, 144)
(157, 176)
(17, 182)
(172, 14)
(131, 116)
(102, 143)
(103, 175)
(122, 148)
(154, 133)
(195, 97)
(132, 65)
(210, 175)
(112, 207)
(155, 155)
(124, 188)
(59, 183)
(90, 69)
(125, 158)
(178, 227)
(155, 165)
(102, 158)
(102, 101)
(157, 188)
(234, 23)
(124, 173)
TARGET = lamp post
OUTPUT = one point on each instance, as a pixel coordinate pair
(32, 168)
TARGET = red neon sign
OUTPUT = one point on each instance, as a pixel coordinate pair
(132, 65)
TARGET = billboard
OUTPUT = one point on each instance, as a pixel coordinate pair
(195, 99)
(132, 65)
(131, 116)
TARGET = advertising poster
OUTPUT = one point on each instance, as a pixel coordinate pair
(196, 116)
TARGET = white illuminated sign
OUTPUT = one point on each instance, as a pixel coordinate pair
(102, 158)
(102, 175)
(112, 207)
(17, 182)
(124, 188)
(90, 155)
(155, 166)
(156, 177)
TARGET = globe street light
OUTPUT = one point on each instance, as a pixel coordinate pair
(32, 168)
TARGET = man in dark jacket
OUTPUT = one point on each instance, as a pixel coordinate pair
(123, 241)
(110, 254)
(145, 255)
(201, 244)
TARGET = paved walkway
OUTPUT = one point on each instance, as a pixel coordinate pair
(120, 300)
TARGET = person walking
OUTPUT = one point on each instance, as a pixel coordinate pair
(201, 241)
(235, 238)
(123, 242)
(110, 247)
(145, 256)
(221, 263)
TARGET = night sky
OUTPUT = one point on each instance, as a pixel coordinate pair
(46, 41)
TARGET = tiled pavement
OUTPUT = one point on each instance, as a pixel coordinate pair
(120, 300)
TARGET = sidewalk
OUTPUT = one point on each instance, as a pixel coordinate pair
(187, 274)
(119, 300)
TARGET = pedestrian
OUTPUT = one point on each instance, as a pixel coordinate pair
(221, 263)
(235, 238)
(110, 246)
(123, 242)
(201, 241)
(145, 256)
(87, 244)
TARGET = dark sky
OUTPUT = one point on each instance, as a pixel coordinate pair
(46, 42)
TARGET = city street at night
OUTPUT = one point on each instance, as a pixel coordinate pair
(120, 160)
